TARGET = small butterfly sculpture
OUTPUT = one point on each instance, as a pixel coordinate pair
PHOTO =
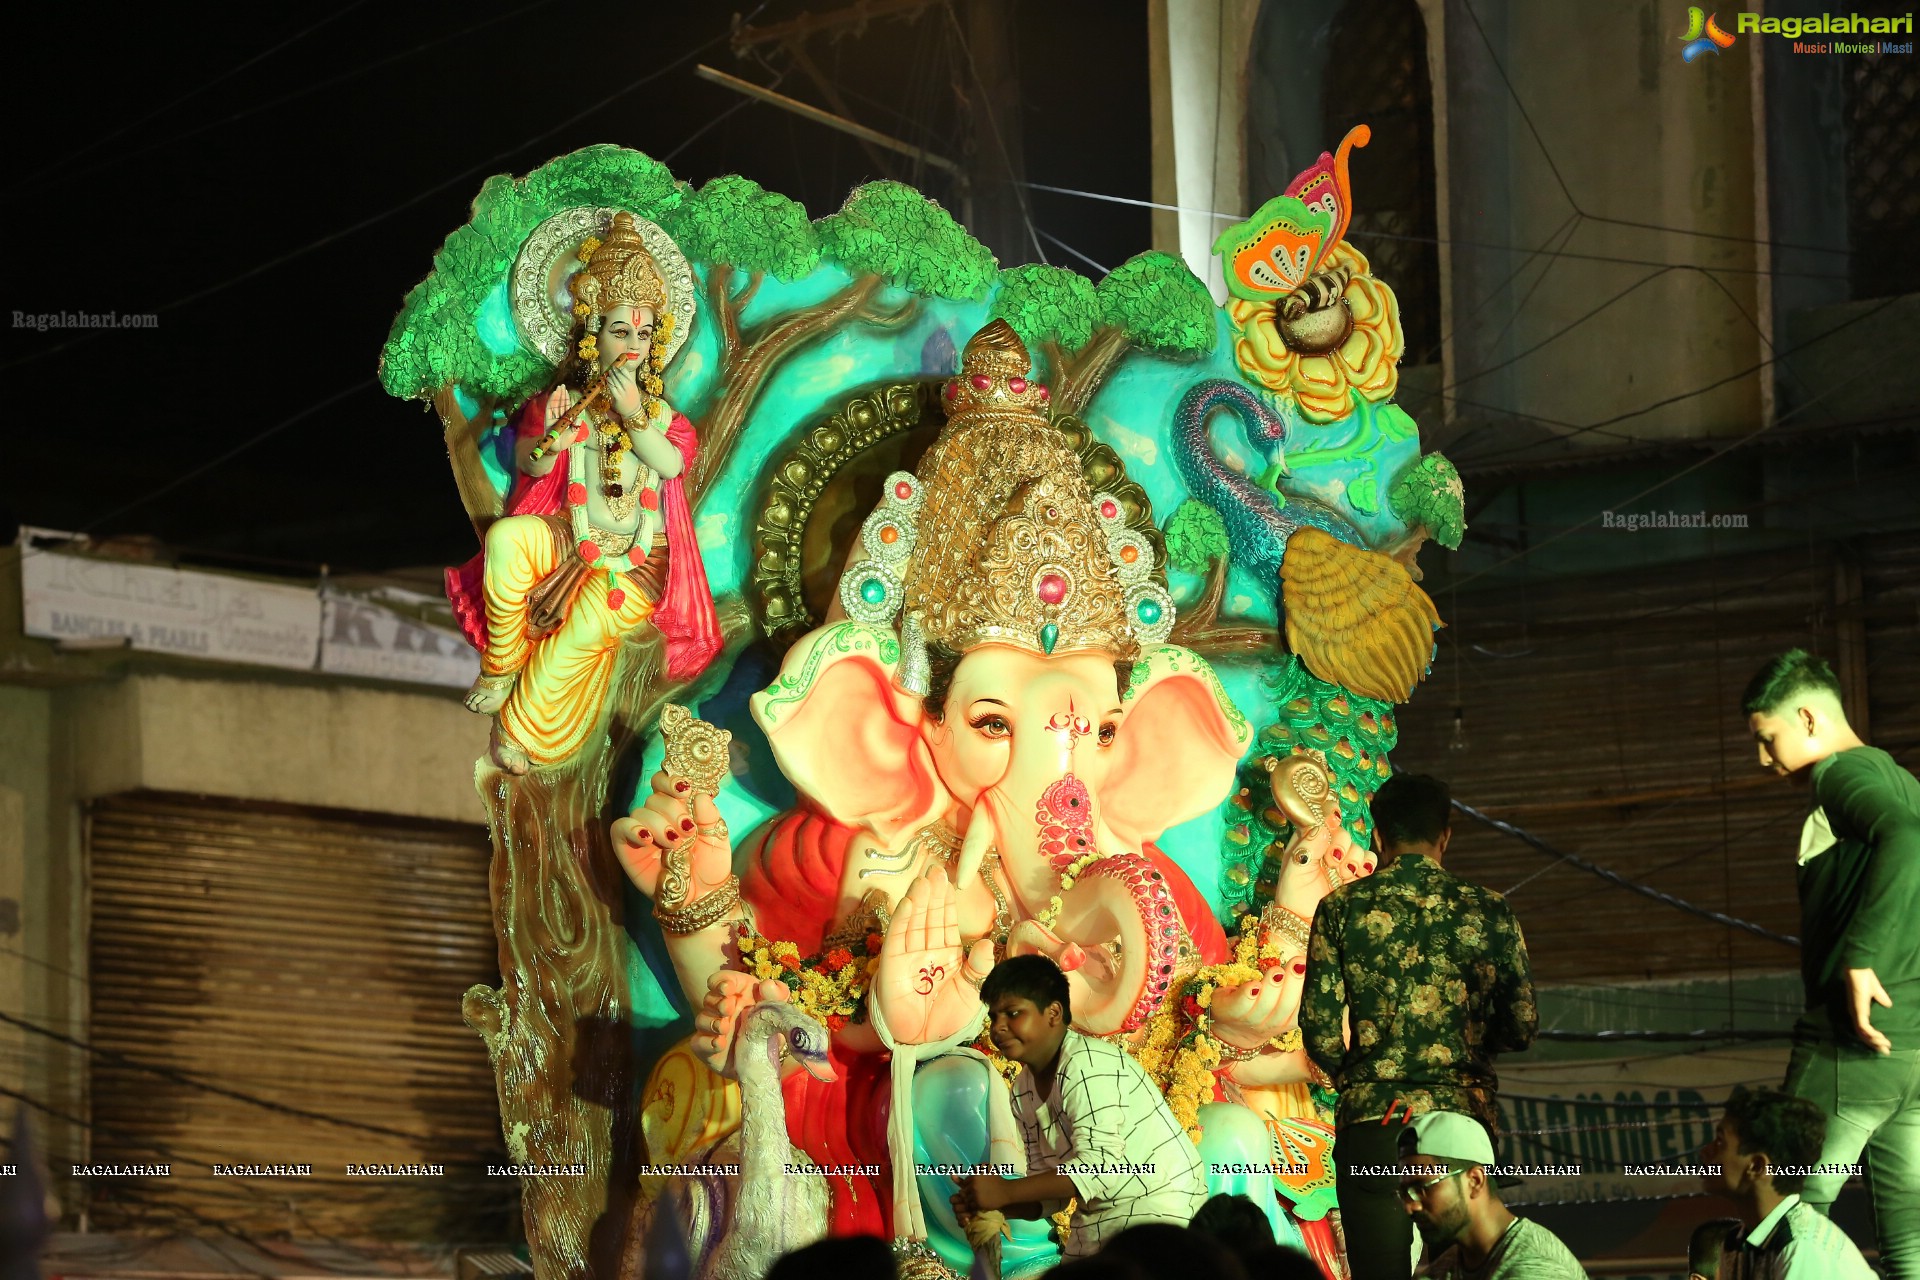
(1279, 248)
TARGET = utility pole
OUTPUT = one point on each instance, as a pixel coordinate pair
(989, 92)
(992, 197)
(792, 38)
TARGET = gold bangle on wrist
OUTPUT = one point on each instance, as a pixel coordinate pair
(1234, 1053)
(705, 912)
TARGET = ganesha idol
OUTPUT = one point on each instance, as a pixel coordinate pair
(986, 736)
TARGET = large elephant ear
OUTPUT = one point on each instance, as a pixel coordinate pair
(1178, 750)
(847, 737)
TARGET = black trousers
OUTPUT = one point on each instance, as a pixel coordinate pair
(1379, 1233)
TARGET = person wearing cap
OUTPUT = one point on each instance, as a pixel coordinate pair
(1431, 972)
(1766, 1144)
(1446, 1187)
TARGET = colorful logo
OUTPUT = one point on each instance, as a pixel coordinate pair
(1703, 34)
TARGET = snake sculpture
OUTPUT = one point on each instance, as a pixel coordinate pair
(1353, 615)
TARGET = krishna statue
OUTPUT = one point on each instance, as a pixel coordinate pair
(598, 539)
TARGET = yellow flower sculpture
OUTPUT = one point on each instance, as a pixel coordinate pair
(1367, 362)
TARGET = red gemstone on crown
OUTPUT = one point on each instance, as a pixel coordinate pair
(953, 389)
(1017, 385)
(903, 491)
(1043, 395)
(1109, 508)
(980, 381)
(1053, 588)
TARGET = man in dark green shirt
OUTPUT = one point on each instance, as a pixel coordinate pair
(1431, 973)
(1856, 1049)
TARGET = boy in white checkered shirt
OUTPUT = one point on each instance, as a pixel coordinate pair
(1095, 1127)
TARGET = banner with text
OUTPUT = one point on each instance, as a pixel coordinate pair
(360, 638)
(176, 611)
(1629, 1128)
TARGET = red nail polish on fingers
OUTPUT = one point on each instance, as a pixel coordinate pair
(686, 824)
(680, 786)
(673, 835)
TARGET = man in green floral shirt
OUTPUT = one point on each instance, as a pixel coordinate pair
(1430, 972)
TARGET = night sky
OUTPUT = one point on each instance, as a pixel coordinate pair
(270, 181)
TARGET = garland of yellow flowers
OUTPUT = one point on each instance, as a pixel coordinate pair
(1180, 1052)
(831, 987)
(1051, 912)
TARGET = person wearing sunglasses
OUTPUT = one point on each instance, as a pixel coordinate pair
(1446, 1187)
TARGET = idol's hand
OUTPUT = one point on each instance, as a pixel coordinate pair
(559, 405)
(730, 993)
(928, 983)
(674, 844)
(623, 385)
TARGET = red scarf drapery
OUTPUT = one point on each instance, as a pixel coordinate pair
(685, 615)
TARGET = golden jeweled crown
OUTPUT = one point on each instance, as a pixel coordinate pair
(998, 539)
(620, 273)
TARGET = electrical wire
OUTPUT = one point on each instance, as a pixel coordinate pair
(35, 960)
(1655, 488)
(1440, 345)
(65, 174)
(719, 120)
(1454, 240)
(1677, 398)
(191, 1082)
(199, 88)
(1075, 252)
(993, 123)
(1615, 878)
(332, 237)
(1567, 192)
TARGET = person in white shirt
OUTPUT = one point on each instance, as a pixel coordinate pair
(1765, 1145)
(1096, 1129)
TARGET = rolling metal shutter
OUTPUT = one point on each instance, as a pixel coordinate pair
(1602, 714)
(312, 960)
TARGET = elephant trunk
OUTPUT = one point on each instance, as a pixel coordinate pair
(1041, 833)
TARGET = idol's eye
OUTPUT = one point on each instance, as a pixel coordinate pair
(992, 726)
(1107, 732)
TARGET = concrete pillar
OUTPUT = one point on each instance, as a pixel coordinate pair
(1198, 56)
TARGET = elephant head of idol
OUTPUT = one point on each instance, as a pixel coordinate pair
(1003, 667)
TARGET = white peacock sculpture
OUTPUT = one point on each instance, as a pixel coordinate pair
(738, 1227)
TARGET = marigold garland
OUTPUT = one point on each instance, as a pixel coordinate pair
(830, 987)
(1067, 878)
(1180, 1052)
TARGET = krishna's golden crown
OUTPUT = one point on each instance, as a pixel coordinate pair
(998, 539)
(620, 272)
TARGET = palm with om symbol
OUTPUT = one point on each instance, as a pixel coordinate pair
(927, 985)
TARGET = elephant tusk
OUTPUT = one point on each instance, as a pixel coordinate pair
(973, 849)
